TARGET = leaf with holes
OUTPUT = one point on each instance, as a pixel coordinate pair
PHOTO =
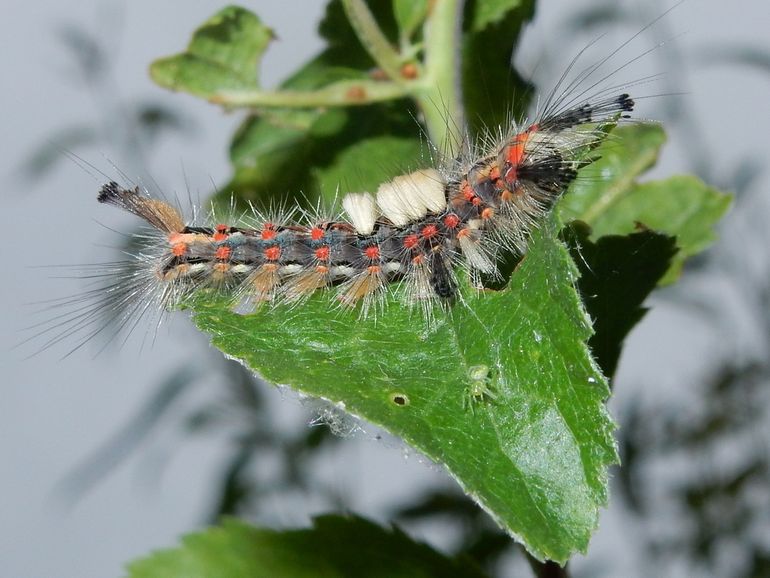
(613, 202)
(533, 453)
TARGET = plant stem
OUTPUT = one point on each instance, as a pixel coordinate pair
(616, 189)
(441, 98)
(372, 38)
(438, 91)
(343, 93)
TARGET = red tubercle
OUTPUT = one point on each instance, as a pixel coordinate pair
(372, 252)
(410, 241)
(515, 153)
(317, 233)
(223, 253)
(221, 232)
(186, 238)
(487, 213)
(179, 249)
(451, 221)
(429, 231)
(272, 253)
(322, 253)
(468, 192)
(268, 232)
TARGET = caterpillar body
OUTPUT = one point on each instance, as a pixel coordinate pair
(417, 228)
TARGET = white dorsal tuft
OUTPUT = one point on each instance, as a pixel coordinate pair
(409, 197)
(362, 211)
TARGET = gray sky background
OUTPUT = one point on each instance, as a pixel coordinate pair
(54, 412)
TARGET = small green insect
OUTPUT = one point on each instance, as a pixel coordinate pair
(480, 389)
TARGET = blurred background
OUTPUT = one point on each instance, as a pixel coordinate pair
(108, 456)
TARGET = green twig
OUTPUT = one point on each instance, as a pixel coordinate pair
(343, 93)
(437, 87)
(372, 38)
(441, 97)
(618, 188)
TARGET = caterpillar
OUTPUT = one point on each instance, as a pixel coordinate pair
(412, 234)
(417, 228)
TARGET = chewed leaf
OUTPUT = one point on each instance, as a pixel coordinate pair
(335, 547)
(616, 204)
(617, 273)
(223, 54)
(533, 452)
(683, 206)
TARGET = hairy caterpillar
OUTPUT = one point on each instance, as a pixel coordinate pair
(410, 236)
(417, 228)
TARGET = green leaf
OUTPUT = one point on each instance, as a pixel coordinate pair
(344, 47)
(280, 153)
(268, 153)
(617, 273)
(532, 447)
(283, 153)
(684, 206)
(312, 154)
(488, 12)
(335, 547)
(370, 162)
(629, 152)
(611, 201)
(493, 92)
(224, 54)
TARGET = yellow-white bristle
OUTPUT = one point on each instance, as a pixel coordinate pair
(409, 197)
(429, 186)
(362, 211)
(474, 253)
